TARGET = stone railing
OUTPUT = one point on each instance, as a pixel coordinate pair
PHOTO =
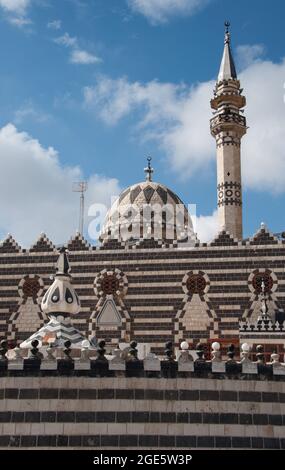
(94, 362)
(266, 326)
(228, 118)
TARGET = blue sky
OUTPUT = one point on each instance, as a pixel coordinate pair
(89, 88)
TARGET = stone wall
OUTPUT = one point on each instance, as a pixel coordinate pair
(146, 413)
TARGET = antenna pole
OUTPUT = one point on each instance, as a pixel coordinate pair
(81, 213)
(80, 187)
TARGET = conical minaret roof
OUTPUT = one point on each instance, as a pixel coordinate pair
(227, 68)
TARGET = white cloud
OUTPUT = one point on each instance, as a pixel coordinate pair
(263, 148)
(174, 115)
(55, 24)
(114, 99)
(18, 7)
(36, 190)
(177, 118)
(66, 40)
(247, 54)
(29, 111)
(19, 21)
(159, 11)
(79, 56)
(16, 11)
(207, 226)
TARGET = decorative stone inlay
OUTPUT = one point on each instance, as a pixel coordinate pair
(229, 184)
(31, 286)
(148, 192)
(229, 193)
(109, 315)
(110, 283)
(230, 202)
(262, 277)
(222, 140)
(196, 284)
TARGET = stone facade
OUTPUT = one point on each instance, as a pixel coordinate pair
(159, 291)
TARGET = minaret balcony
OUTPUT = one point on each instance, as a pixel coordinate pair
(228, 121)
(231, 98)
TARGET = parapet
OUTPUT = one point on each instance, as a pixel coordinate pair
(94, 362)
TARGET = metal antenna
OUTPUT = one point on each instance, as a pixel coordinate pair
(80, 187)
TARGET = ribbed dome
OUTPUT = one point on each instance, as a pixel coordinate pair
(144, 210)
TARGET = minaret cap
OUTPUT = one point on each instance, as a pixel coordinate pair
(227, 68)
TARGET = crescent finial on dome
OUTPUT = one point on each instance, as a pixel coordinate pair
(149, 170)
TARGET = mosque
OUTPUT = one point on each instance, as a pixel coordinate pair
(156, 287)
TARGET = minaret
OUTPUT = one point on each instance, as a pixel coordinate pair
(228, 126)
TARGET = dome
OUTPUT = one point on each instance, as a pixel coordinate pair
(147, 210)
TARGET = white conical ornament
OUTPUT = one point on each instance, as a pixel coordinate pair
(59, 303)
(61, 298)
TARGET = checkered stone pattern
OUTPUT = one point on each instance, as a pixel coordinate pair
(139, 196)
(9, 245)
(78, 243)
(156, 278)
(42, 245)
(149, 192)
(264, 237)
(60, 330)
